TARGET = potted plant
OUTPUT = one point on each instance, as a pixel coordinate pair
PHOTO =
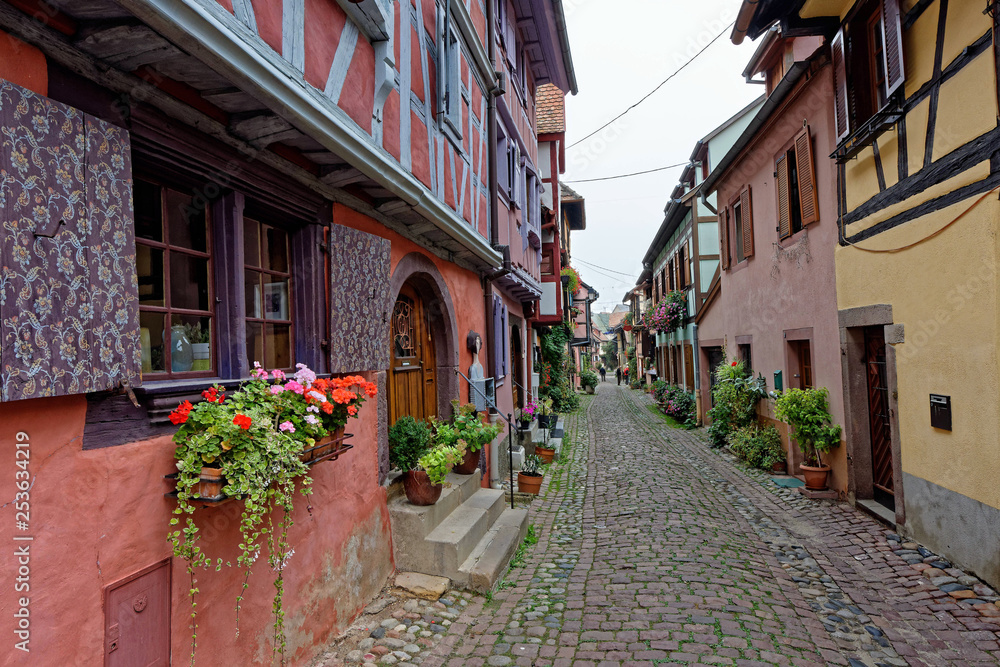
(423, 485)
(807, 412)
(546, 418)
(627, 321)
(409, 439)
(573, 284)
(529, 480)
(588, 381)
(467, 426)
(249, 446)
(526, 415)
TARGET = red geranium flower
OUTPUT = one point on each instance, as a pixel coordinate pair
(242, 421)
(180, 414)
(212, 395)
(734, 363)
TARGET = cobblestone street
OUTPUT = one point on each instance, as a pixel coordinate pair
(654, 549)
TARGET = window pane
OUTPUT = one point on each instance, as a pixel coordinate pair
(148, 217)
(186, 224)
(188, 282)
(275, 249)
(254, 301)
(151, 341)
(198, 331)
(255, 344)
(251, 242)
(149, 267)
(276, 298)
(278, 347)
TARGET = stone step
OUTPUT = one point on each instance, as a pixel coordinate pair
(448, 545)
(412, 524)
(491, 556)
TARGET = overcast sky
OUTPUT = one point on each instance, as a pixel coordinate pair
(622, 49)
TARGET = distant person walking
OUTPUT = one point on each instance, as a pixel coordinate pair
(618, 374)
(604, 373)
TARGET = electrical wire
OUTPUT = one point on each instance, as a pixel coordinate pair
(637, 173)
(598, 266)
(663, 83)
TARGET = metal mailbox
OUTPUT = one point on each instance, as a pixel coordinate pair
(941, 412)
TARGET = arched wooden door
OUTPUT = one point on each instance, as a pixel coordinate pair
(413, 381)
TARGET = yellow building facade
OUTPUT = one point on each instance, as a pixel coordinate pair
(918, 174)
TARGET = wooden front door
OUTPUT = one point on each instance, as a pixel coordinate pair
(413, 385)
(878, 415)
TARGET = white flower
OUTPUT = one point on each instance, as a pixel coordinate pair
(317, 396)
(311, 419)
(312, 408)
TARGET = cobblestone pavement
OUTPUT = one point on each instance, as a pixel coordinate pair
(654, 549)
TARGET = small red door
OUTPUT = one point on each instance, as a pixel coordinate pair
(137, 620)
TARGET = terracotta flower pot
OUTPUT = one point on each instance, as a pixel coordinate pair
(815, 476)
(211, 483)
(545, 454)
(529, 483)
(779, 467)
(469, 464)
(418, 488)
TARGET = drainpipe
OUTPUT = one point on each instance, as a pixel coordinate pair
(697, 371)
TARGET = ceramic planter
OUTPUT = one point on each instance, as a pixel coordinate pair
(815, 476)
(529, 483)
(419, 490)
(469, 464)
(545, 454)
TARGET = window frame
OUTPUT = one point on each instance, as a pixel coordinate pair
(451, 95)
(263, 321)
(167, 311)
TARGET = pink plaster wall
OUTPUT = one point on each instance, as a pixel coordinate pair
(763, 297)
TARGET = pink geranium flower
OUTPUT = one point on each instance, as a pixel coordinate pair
(294, 386)
(287, 426)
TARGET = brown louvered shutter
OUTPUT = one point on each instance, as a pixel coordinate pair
(69, 321)
(687, 268)
(784, 211)
(808, 203)
(360, 305)
(840, 110)
(747, 222)
(724, 237)
(892, 35)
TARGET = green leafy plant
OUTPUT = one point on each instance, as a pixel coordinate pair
(195, 334)
(574, 278)
(468, 425)
(735, 396)
(589, 379)
(255, 438)
(759, 446)
(555, 368)
(808, 413)
(440, 459)
(530, 466)
(409, 439)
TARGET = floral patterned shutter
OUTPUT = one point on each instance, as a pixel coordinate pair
(359, 301)
(68, 292)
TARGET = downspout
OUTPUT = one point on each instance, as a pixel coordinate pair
(697, 372)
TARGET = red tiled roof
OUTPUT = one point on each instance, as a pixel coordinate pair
(550, 108)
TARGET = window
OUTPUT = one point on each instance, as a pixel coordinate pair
(503, 161)
(451, 81)
(802, 351)
(175, 287)
(868, 63)
(796, 185)
(743, 225)
(724, 238)
(514, 173)
(267, 282)
(745, 356)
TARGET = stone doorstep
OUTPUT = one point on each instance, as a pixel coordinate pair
(489, 560)
(825, 494)
(423, 586)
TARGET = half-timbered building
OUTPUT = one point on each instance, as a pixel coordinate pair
(192, 186)
(914, 100)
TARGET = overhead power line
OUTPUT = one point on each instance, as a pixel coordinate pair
(637, 173)
(604, 268)
(663, 83)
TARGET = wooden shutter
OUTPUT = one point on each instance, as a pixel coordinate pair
(784, 210)
(69, 318)
(687, 269)
(724, 237)
(510, 33)
(892, 36)
(809, 206)
(747, 213)
(840, 110)
(360, 305)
